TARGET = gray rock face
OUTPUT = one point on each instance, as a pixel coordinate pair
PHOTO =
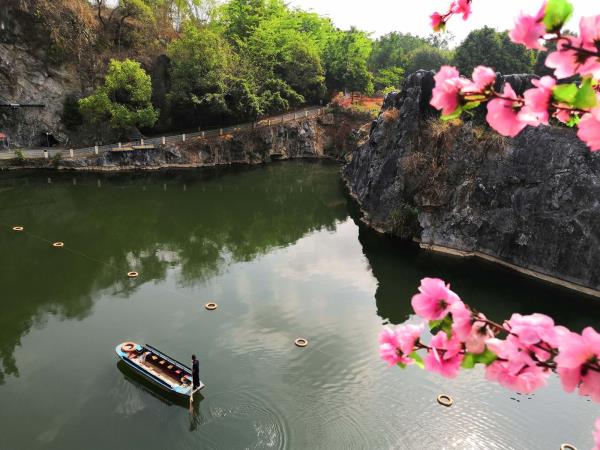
(532, 201)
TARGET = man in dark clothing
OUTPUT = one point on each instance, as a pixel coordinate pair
(195, 372)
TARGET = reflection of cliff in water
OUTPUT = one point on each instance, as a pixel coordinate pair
(398, 267)
(197, 222)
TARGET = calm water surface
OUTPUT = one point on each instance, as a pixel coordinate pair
(280, 250)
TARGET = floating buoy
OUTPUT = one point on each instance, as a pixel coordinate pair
(58, 244)
(132, 274)
(18, 228)
(445, 400)
(128, 347)
(301, 342)
(211, 306)
(567, 447)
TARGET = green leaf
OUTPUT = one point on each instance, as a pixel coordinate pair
(487, 357)
(455, 115)
(565, 93)
(574, 120)
(556, 14)
(471, 105)
(468, 361)
(417, 359)
(402, 365)
(586, 96)
(444, 325)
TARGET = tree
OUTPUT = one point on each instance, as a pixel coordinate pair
(389, 79)
(427, 58)
(200, 64)
(346, 58)
(488, 47)
(124, 98)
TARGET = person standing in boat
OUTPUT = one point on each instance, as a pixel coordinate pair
(195, 373)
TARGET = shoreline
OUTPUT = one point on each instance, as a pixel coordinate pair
(532, 273)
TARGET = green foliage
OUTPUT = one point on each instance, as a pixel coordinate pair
(444, 325)
(346, 58)
(427, 58)
(488, 47)
(124, 98)
(387, 80)
(71, 115)
(19, 156)
(200, 64)
(486, 357)
(579, 97)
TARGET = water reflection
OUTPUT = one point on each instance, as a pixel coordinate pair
(147, 223)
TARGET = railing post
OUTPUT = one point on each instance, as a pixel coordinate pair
(71, 152)
(46, 154)
(269, 122)
(164, 141)
(142, 142)
(294, 116)
(119, 145)
(306, 113)
(220, 131)
(183, 137)
(96, 149)
(203, 134)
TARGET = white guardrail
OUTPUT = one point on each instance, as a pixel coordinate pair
(157, 142)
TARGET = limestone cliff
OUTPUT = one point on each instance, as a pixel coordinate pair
(531, 201)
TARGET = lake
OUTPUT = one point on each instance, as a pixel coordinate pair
(281, 249)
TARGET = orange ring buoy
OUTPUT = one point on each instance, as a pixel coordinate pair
(58, 244)
(301, 342)
(132, 274)
(128, 347)
(18, 228)
(211, 306)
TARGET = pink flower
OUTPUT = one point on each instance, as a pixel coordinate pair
(445, 355)
(537, 101)
(529, 30)
(589, 32)
(589, 129)
(462, 320)
(395, 345)
(533, 329)
(503, 113)
(461, 7)
(446, 93)
(434, 299)
(574, 352)
(597, 435)
(526, 381)
(437, 21)
(483, 78)
(567, 62)
(479, 334)
(515, 369)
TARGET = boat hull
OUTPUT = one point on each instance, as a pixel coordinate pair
(179, 391)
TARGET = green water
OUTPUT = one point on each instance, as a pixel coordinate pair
(281, 251)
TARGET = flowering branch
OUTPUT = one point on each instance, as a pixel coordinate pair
(571, 103)
(520, 353)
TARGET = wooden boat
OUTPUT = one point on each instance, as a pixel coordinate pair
(167, 373)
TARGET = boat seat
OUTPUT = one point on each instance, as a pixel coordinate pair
(170, 366)
(162, 362)
(154, 357)
(178, 371)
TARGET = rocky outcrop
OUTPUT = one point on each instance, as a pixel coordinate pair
(531, 201)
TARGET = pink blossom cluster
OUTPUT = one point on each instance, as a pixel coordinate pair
(520, 354)
(508, 113)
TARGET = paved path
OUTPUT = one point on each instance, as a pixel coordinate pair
(163, 140)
